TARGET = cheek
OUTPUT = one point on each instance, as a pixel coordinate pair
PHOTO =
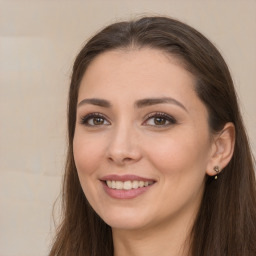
(86, 154)
(181, 164)
(176, 155)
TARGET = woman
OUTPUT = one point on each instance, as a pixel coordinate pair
(158, 161)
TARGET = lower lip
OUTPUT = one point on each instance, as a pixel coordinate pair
(125, 194)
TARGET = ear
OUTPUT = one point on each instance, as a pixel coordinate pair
(222, 149)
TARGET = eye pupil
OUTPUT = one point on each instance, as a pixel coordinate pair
(160, 121)
(98, 120)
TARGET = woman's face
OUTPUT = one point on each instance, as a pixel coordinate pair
(142, 143)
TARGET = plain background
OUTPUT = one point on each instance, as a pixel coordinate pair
(38, 43)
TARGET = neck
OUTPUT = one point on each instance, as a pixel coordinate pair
(171, 240)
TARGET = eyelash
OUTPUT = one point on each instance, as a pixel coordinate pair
(165, 117)
(85, 120)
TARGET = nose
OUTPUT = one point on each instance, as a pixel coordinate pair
(124, 146)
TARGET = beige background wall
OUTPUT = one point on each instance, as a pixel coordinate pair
(38, 42)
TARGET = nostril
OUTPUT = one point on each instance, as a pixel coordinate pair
(121, 160)
(123, 153)
(128, 159)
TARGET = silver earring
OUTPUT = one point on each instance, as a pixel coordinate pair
(216, 169)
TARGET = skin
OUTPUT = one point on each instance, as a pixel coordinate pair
(125, 140)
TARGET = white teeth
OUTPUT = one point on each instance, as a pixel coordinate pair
(127, 185)
(113, 184)
(141, 184)
(109, 183)
(119, 184)
(135, 184)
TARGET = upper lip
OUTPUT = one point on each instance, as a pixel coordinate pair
(126, 177)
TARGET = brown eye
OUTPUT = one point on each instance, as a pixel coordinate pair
(98, 121)
(160, 121)
(94, 119)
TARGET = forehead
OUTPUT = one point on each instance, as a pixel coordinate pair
(146, 69)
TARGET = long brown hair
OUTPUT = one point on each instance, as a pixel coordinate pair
(226, 220)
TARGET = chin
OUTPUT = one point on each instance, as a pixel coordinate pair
(125, 224)
(124, 220)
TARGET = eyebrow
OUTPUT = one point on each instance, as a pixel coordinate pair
(153, 101)
(138, 104)
(96, 102)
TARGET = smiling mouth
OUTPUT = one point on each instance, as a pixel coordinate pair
(127, 185)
